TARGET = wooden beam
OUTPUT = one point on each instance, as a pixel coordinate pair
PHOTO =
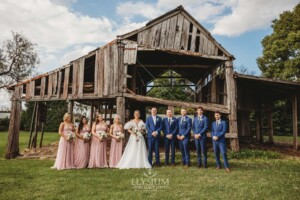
(295, 122)
(270, 124)
(121, 108)
(70, 108)
(259, 136)
(12, 148)
(206, 106)
(231, 103)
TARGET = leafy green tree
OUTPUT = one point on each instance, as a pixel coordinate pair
(55, 113)
(171, 89)
(281, 49)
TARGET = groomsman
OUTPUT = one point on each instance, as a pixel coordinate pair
(154, 126)
(218, 130)
(183, 135)
(200, 126)
(170, 128)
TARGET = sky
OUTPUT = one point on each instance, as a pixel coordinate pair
(67, 29)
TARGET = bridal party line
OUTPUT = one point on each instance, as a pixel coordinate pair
(87, 148)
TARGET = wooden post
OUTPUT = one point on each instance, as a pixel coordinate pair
(42, 135)
(133, 79)
(12, 148)
(270, 124)
(295, 123)
(258, 117)
(32, 124)
(231, 103)
(70, 108)
(36, 124)
(91, 114)
(213, 89)
(121, 108)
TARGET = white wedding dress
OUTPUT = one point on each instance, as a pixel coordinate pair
(135, 154)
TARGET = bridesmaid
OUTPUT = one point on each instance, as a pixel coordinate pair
(98, 145)
(65, 152)
(116, 143)
(82, 146)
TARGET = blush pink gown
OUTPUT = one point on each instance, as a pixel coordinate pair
(98, 150)
(65, 152)
(82, 151)
(115, 149)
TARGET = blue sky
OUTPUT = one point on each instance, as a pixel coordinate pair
(67, 29)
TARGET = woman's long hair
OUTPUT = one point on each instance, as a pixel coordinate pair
(80, 127)
(97, 118)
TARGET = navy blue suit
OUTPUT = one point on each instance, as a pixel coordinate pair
(220, 144)
(184, 128)
(153, 142)
(170, 129)
(201, 127)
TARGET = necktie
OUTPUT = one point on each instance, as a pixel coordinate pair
(154, 120)
(170, 121)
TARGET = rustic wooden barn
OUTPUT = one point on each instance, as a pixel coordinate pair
(115, 77)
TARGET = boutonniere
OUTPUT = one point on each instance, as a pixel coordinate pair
(157, 119)
(172, 120)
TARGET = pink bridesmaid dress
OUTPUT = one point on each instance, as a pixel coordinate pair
(65, 152)
(98, 150)
(82, 151)
(115, 149)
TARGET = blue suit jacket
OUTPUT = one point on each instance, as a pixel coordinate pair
(167, 129)
(151, 127)
(219, 131)
(200, 126)
(184, 127)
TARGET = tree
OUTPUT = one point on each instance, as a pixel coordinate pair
(281, 49)
(18, 57)
(167, 90)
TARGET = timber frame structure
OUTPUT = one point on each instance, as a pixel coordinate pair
(116, 76)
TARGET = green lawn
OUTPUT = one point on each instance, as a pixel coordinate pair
(255, 175)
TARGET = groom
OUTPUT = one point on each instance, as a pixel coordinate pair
(183, 135)
(154, 126)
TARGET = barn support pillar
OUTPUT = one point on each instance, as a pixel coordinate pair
(295, 122)
(12, 148)
(121, 108)
(259, 136)
(70, 108)
(270, 124)
(231, 103)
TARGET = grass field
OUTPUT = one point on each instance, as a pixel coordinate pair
(255, 175)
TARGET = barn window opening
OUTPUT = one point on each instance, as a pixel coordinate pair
(37, 87)
(89, 75)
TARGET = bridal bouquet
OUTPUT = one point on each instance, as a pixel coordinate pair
(87, 136)
(120, 135)
(139, 131)
(102, 134)
(70, 135)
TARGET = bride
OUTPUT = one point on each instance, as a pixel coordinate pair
(135, 153)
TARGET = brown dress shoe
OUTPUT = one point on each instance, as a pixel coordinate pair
(228, 170)
(218, 168)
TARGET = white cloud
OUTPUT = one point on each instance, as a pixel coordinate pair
(229, 18)
(251, 15)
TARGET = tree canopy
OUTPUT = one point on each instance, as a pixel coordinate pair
(18, 57)
(281, 49)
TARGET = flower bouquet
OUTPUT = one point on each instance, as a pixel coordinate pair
(120, 135)
(70, 135)
(139, 131)
(102, 134)
(87, 136)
